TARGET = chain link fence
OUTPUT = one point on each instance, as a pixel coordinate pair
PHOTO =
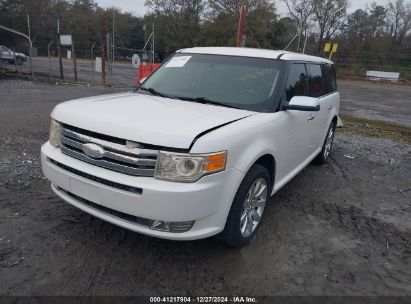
(121, 72)
(80, 61)
(356, 64)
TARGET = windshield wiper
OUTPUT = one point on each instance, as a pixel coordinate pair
(155, 92)
(205, 100)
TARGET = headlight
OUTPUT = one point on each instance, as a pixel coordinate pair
(55, 131)
(188, 167)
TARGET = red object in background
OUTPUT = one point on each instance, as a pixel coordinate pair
(145, 70)
(243, 12)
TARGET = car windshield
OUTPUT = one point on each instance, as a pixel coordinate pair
(239, 82)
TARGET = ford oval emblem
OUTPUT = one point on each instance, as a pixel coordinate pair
(93, 150)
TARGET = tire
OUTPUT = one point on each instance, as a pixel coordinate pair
(19, 61)
(236, 232)
(325, 153)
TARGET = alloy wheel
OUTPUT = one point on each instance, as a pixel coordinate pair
(253, 207)
(329, 143)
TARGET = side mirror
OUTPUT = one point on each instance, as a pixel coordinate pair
(303, 103)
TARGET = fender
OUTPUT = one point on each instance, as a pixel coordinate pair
(253, 130)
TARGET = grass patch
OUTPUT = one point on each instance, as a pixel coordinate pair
(375, 128)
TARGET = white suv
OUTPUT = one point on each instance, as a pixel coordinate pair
(198, 149)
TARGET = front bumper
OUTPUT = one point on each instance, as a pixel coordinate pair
(207, 202)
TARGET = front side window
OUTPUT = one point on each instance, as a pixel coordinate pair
(241, 82)
(297, 81)
(315, 80)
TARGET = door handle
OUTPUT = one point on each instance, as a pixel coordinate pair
(330, 107)
(310, 117)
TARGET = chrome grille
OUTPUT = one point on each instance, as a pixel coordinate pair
(119, 155)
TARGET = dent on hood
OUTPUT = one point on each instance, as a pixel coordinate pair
(146, 119)
(213, 129)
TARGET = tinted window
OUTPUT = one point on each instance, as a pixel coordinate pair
(330, 78)
(315, 80)
(297, 81)
(242, 82)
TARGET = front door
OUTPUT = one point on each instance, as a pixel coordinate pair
(298, 127)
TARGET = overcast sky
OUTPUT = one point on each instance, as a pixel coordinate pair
(137, 6)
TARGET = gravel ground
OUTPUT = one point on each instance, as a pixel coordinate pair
(376, 101)
(338, 229)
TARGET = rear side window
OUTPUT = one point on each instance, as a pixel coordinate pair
(297, 81)
(330, 78)
(316, 81)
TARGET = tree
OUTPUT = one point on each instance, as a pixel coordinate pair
(329, 16)
(377, 20)
(178, 21)
(260, 26)
(356, 28)
(82, 21)
(301, 11)
(286, 29)
(399, 21)
(232, 7)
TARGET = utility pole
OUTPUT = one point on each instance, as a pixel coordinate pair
(153, 42)
(240, 33)
(59, 50)
(145, 32)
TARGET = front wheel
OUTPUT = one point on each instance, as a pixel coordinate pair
(19, 61)
(327, 145)
(248, 207)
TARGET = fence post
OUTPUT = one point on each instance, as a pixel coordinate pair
(48, 53)
(59, 50)
(110, 67)
(73, 53)
(92, 62)
(103, 53)
(15, 63)
(14, 56)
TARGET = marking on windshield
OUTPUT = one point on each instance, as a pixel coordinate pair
(178, 62)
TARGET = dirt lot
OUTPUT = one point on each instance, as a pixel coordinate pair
(384, 102)
(338, 229)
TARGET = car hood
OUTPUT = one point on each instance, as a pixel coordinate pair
(145, 118)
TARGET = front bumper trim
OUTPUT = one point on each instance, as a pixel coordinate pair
(174, 227)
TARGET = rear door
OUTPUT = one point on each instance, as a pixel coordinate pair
(317, 86)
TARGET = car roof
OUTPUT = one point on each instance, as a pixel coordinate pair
(256, 53)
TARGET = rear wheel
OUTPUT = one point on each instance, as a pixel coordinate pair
(248, 207)
(327, 145)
